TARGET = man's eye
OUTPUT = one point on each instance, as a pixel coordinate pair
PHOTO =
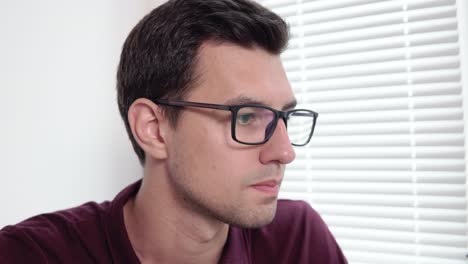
(245, 119)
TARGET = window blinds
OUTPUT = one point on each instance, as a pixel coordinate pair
(385, 167)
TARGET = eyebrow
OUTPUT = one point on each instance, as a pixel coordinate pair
(240, 100)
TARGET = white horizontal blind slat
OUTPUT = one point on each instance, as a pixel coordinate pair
(385, 167)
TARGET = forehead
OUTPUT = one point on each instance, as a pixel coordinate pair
(227, 71)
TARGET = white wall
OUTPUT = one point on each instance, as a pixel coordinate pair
(155, 3)
(62, 142)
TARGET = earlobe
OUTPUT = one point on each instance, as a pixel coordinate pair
(147, 122)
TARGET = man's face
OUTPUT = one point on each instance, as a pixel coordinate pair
(215, 175)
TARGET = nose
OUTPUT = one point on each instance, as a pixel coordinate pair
(278, 148)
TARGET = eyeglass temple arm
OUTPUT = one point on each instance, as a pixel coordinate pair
(193, 104)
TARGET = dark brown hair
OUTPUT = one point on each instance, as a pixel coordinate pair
(159, 55)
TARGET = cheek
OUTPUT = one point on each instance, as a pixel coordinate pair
(209, 155)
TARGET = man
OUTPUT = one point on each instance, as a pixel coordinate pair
(199, 84)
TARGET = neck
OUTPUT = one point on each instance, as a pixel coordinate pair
(163, 229)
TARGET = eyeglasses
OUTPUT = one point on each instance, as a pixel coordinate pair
(253, 124)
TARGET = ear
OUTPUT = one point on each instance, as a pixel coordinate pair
(148, 125)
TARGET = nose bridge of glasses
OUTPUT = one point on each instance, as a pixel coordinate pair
(272, 126)
(284, 116)
(279, 132)
(279, 126)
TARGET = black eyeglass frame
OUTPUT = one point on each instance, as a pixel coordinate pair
(234, 109)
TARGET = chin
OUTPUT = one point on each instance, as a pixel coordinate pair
(254, 218)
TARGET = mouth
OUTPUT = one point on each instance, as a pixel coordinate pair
(270, 187)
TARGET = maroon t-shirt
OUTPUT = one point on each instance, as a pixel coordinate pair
(95, 233)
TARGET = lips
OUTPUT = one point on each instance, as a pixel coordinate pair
(270, 187)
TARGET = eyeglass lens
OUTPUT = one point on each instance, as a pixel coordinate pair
(300, 125)
(255, 124)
